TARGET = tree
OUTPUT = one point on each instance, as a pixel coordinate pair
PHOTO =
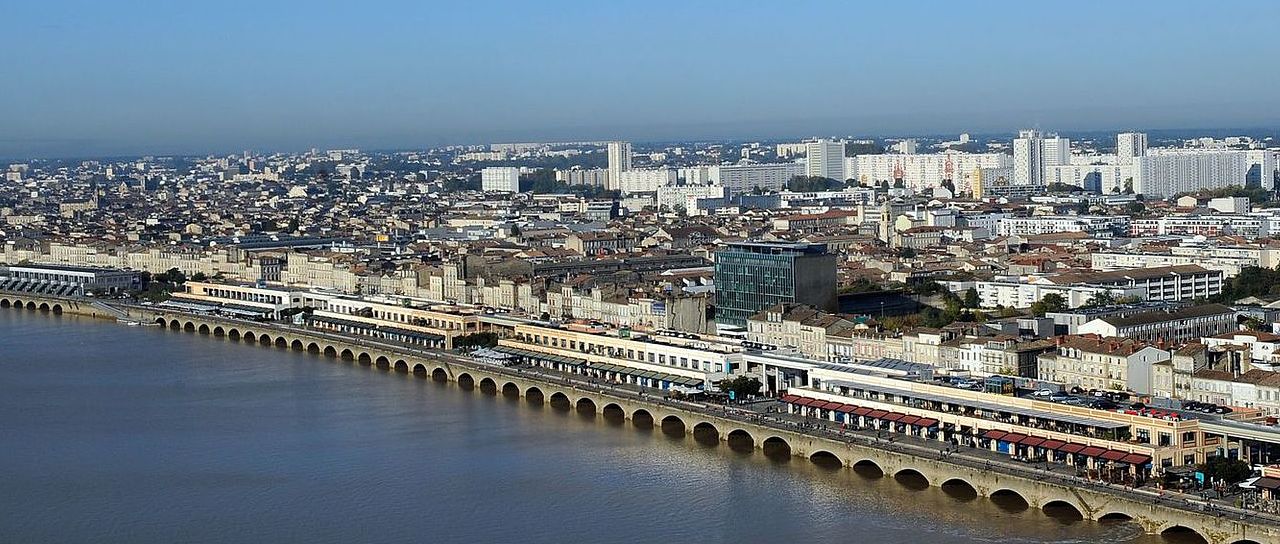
(1227, 470)
(1102, 298)
(742, 386)
(1051, 302)
(542, 181)
(811, 184)
(1128, 186)
(199, 276)
(971, 298)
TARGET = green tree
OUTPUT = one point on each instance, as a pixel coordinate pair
(1228, 470)
(971, 298)
(199, 276)
(1051, 302)
(810, 184)
(741, 386)
(1103, 298)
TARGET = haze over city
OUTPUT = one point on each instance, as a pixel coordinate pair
(95, 78)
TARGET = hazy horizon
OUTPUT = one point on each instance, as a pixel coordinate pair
(92, 79)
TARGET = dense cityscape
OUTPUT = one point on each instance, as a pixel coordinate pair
(614, 273)
(1109, 307)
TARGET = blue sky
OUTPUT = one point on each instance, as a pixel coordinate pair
(128, 77)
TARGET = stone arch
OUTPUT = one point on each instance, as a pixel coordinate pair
(1115, 516)
(585, 406)
(250, 337)
(510, 389)
(613, 412)
(330, 351)
(911, 478)
(826, 459)
(203, 329)
(776, 447)
(175, 325)
(672, 424)
(959, 484)
(160, 321)
(282, 342)
(1183, 533)
(44, 306)
(465, 381)
(1062, 508)
(420, 370)
(439, 375)
(706, 427)
(233, 333)
(559, 400)
(401, 366)
(219, 331)
(642, 418)
(297, 345)
(57, 309)
(4, 303)
(313, 347)
(31, 305)
(265, 339)
(959, 488)
(534, 395)
(382, 362)
(740, 440)
(189, 326)
(1246, 541)
(488, 386)
(1009, 499)
(364, 359)
(347, 355)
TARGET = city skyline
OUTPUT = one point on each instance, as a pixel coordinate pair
(191, 79)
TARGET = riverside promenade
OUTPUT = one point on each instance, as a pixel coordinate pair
(985, 474)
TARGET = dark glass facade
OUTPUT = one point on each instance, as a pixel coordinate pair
(751, 276)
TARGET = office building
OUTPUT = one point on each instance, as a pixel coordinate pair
(752, 276)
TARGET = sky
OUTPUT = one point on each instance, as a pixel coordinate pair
(134, 77)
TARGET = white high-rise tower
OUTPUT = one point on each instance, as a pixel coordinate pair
(619, 162)
(1028, 158)
(1129, 146)
(825, 158)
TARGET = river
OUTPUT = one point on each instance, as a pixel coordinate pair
(115, 434)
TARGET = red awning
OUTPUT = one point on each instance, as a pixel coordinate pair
(1013, 437)
(1092, 451)
(1071, 448)
(1031, 441)
(808, 402)
(926, 422)
(1136, 459)
(789, 398)
(893, 416)
(1114, 455)
(862, 411)
(846, 408)
(1052, 444)
(877, 414)
(909, 420)
(994, 435)
(832, 405)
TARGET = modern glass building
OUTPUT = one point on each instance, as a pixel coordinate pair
(751, 276)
